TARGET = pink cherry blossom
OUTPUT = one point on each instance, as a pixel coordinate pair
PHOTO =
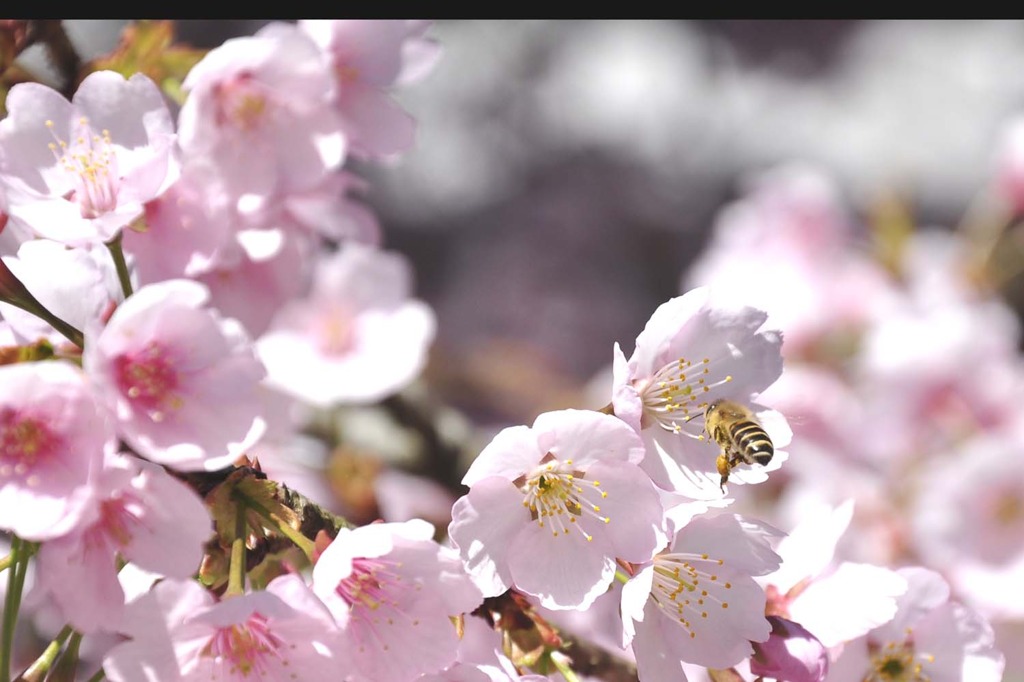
(52, 442)
(181, 633)
(146, 517)
(697, 602)
(791, 653)
(552, 506)
(694, 351)
(329, 210)
(930, 638)
(84, 169)
(182, 233)
(811, 589)
(357, 337)
(391, 589)
(480, 659)
(368, 57)
(787, 248)
(253, 280)
(181, 382)
(260, 111)
(968, 519)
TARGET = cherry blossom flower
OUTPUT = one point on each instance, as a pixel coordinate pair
(255, 281)
(85, 292)
(811, 589)
(53, 438)
(259, 110)
(697, 602)
(181, 633)
(692, 352)
(969, 519)
(930, 638)
(786, 248)
(480, 659)
(391, 589)
(791, 653)
(368, 57)
(357, 337)
(329, 210)
(181, 382)
(182, 233)
(146, 517)
(552, 506)
(84, 169)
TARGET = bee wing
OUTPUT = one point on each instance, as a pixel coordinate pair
(775, 424)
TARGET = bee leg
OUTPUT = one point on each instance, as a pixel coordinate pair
(723, 469)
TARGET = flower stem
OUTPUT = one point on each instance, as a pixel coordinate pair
(6, 562)
(99, 675)
(20, 551)
(282, 527)
(120, 264)
(14, 292)
(37, 671)
(236, 571)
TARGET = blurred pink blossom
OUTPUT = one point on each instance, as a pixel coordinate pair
(930, 638)
(368, 57)
(260, 111)
(179, 631)
(357, 336)
(145, 517)
(53, 438)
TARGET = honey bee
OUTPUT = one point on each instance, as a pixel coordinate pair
(743, 440)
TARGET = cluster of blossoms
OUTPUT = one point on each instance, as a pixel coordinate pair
(183, 288)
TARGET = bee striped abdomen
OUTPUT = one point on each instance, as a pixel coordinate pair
(752, 442)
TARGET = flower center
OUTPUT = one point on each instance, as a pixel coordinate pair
(149, 379)
(245, 648)
(897, 662)
(1008, 508)
(116, 520)
(241, 102)
(375, 593)
(92, 162)
(687, 588)
(335, 333)
(25, 442)
(557, 496)
(678, 392)
(366, 586)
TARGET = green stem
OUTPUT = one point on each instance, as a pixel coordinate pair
(11, 604)
(99, 675)
(37, 671)
(66, 330)
(236, 571)
(278, 524)
(120, 264)
(6, 562)
(621, 577)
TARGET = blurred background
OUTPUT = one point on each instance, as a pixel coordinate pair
(567, 173)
